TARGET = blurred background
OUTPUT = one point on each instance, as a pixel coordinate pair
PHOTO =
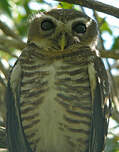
(14, 21)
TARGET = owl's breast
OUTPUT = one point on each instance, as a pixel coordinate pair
(55, 105)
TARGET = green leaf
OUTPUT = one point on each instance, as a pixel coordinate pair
(65, 5)
(4, 4)
(115, 45)
(21, 25)
(112, 145)
(105, 27)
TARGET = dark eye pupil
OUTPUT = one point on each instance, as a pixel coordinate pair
(80, 28)
(47, 25)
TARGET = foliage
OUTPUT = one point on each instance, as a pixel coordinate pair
(15, 14)
(112, 145)
(116, 43)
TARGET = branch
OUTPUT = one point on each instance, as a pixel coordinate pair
(3, 137)
(2, 81)
(115, 115)
(5, 71)
(12, 43)
(8, 31)
(20, 45)
(109, 54)
(6, 50)
(98, 6)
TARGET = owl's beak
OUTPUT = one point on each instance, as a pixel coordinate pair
(62, 42)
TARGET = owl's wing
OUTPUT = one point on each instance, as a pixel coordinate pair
(101, 105)
(16, 139)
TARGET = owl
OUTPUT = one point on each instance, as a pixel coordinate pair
(58, 90)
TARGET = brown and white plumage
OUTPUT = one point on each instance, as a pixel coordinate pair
(59, 87)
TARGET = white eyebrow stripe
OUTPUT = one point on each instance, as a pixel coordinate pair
(79, 19)
(82, 19)
(89, 22)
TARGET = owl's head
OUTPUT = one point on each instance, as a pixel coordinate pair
(62, 29)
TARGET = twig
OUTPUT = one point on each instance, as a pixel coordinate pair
(6, 50)
(109, 54)
(8, 31)
(5, 71)
(2, 81)
(113, 87)
(12, 43)
(3, 138)
(115, 115)
(18, 45)
(98, 6)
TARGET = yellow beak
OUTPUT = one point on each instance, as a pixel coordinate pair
(62, 42)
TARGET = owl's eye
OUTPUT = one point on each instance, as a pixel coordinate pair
(47, 25)
(79, 28)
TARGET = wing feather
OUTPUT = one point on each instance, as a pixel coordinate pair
(99, 114)
(16, 138)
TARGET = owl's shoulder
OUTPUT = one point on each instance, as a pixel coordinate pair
(15, 76)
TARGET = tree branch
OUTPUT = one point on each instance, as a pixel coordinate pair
(8, 31)
(5, 71)
(6, 50)
(3, 137)
(12, 43)
(20, 45)
(115, 115)
(109, 54)
(98, 6)
(2, 81)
